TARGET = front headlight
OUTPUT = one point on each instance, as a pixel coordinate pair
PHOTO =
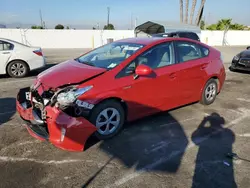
(69, 97)
(236, 58)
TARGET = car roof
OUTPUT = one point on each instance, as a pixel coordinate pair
(144, 40)
(14, 42)
(152, 40)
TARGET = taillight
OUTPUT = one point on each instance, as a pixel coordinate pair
(38, 52)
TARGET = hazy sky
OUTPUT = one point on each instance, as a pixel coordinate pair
(90, 12)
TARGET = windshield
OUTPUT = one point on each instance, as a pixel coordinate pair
(110, 55)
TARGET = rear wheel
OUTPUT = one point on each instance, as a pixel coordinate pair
(17, 69)
(108, 117)
(209, 92)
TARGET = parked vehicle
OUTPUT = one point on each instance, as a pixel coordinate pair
(241, 61)
(17, 59)
(179, 34)
(119, 82)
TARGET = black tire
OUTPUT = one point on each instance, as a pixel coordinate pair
(24, 69)
(109, 104)
(208, 99)
(232, 69)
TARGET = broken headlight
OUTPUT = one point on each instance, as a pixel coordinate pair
(69, 97)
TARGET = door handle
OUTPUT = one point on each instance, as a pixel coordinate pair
(172, 76)
(203, 67)
(5, 52)
(127, 87)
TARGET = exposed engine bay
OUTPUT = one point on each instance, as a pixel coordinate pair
(63, 98)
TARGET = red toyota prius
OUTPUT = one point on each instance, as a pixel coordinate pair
(119, 82)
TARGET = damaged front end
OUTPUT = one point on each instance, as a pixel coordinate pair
(56, 115)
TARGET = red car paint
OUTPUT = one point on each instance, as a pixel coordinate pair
(168, 87)
(62, 74)
(77, 128)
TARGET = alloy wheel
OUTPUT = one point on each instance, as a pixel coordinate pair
(17, 69)
(107, 121)
(210, 92)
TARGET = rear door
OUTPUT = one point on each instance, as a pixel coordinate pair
(193, 63)
(5, 53)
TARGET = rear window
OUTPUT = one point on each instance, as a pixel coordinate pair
(4, 46)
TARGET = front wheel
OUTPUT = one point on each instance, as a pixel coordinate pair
(209, 92)
(108, 117)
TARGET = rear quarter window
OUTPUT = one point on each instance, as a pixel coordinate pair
(4, 46)
(205, 51)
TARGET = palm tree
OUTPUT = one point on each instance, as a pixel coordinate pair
(186, 16)
(181, 11)
(192, 11)
(200, 12)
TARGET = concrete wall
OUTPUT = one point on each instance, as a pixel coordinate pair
(94, 38)
(64, 38)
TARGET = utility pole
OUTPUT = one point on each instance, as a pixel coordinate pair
(131, 22)
(108, 16)
(41, 17)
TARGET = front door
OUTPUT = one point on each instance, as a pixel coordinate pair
(157, 92)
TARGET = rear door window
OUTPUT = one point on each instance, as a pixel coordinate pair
(187, 51)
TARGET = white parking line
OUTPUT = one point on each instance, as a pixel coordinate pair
(244, 135)
(243, 100)
(136, 174)
(20, 159)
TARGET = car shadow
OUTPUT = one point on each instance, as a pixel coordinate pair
(158, 143)
(7, 109)
(213, 168)
(38, 71)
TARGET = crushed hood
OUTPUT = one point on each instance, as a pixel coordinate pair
(66, 73)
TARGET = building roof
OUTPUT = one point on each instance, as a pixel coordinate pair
(153, 27)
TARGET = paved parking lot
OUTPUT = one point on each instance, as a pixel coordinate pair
(186, 147)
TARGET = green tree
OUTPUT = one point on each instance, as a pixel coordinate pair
(226, 24)
(109, 27)
(67, 27)
(59, 26)
(237, 27)
(36, 27)
(202, 25)
(212, 27)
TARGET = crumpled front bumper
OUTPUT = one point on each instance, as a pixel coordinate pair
(63, 131)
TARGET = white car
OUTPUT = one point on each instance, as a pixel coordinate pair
(17, 59)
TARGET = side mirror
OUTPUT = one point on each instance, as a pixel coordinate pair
(248, 48)
(143, 70)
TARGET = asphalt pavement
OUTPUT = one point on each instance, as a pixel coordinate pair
(185, 147)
